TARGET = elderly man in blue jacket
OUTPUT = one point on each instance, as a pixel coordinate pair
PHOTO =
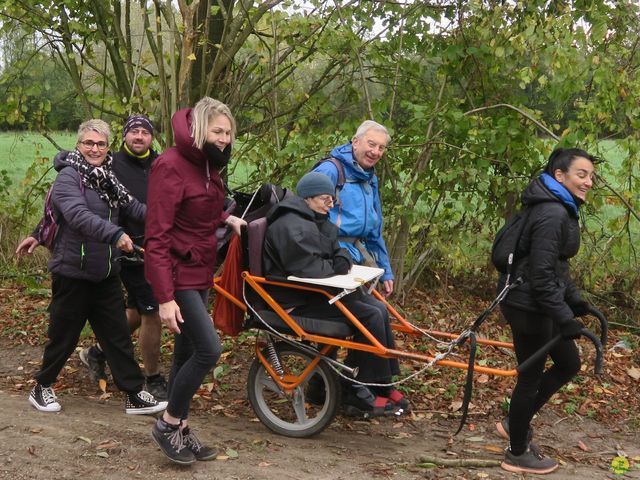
(357, 212)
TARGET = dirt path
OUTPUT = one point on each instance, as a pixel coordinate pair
(95, 439)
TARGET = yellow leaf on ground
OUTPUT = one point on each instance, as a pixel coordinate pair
(102, 383)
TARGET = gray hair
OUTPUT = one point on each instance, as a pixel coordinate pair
(94, 125)
(371, 125)
(202, 113)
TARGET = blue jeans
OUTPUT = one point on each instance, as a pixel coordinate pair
(196, 351)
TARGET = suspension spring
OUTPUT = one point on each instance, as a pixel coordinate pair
(273, 358)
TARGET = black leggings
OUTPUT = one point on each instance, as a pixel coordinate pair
(196, 351)
(535, 386)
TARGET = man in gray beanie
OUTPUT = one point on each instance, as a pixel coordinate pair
(131, 164)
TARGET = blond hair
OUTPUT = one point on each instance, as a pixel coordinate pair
(202, 113)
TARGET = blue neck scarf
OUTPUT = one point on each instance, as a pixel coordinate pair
(560, 191)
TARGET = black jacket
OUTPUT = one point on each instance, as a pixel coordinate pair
(550, 238)
(133, 173)
(303, 243)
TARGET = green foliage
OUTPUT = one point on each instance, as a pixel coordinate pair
(476, 95)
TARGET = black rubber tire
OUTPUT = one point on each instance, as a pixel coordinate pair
(277, 411)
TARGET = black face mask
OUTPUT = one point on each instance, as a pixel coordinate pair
(219, 158)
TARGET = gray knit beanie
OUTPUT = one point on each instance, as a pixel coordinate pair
(314, 184)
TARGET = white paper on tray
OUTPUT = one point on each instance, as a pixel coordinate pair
(358, 276)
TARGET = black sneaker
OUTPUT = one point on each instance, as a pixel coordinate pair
(157, 386)
(143, 403)
(531, 461)
(170, 440)
(359, 401)
(193, 443)
(95, 361)
(44, 399)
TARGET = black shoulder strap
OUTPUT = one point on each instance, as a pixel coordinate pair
(512, 255)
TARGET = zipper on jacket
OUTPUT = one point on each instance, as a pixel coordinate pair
(82, 253)
(110, 250)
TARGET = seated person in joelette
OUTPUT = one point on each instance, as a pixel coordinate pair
(301, 241)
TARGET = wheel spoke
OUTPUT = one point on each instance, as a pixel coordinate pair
(267, 382)
(299, 406)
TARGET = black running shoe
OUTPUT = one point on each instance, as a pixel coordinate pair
(170, 440)
(359, 401)
(157, 386)
(95, 361)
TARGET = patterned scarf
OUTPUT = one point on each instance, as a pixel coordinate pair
(101, 179)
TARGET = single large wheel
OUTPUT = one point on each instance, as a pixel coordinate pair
(303, 412)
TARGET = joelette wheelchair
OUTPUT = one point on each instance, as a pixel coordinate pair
(291, 350)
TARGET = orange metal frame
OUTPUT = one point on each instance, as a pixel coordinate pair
(288, 383)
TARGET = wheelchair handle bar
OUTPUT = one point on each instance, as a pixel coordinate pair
(544, 350)
(604, 325)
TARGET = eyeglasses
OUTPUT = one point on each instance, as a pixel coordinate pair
(326, 199)
(90, 144)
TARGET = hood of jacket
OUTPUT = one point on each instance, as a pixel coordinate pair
(60, 160)
(292, 204)
(344, 153)
(536, 192)
(181, 123)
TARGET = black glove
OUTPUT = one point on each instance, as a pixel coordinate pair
(580, 308)
(341, 265)
(570, 329)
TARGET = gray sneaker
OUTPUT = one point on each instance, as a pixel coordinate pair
(193, 443)
(531, 461)
(95, 361)
(170, 440)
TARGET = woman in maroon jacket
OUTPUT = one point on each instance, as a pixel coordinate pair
(184, 209)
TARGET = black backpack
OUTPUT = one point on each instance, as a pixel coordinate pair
(506, 242)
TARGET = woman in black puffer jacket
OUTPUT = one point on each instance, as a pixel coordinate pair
(548, 300)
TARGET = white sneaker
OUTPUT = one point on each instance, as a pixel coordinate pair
(44, 399)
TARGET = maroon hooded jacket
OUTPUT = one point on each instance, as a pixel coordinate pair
(184, 208)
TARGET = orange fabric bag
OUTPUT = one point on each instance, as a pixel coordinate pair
(227, 316)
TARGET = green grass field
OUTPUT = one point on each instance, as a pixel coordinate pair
(19, 150)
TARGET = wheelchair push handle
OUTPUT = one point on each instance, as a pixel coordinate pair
(544, 350)
(604, 325)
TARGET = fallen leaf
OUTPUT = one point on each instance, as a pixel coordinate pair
(35, 430)
(455, 406)
(482, 378)
(264, 464)
(222, 457)
(84, 439)
(31, 449)
(582, 446)
(231, 453)
(102, 454)
(475, 439)
(102, 383)
(634, 373)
